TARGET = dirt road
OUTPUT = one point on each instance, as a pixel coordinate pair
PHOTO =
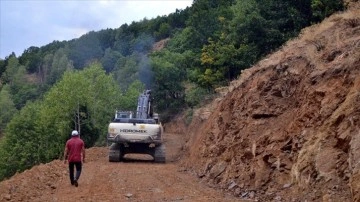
(136, 179)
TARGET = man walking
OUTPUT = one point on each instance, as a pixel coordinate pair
(74, 153)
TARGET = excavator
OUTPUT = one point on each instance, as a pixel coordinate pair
(142, 134)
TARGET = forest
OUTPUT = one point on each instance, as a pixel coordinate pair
(78, 84)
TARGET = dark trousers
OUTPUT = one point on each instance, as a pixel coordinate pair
(78, 166)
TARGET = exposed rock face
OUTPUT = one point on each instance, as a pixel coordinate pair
(291, 124)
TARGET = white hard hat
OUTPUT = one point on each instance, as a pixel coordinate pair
(74, 133)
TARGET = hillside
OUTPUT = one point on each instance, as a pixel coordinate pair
(182, 58)
(289, 128)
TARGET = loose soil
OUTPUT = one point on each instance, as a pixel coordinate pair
(135, 179)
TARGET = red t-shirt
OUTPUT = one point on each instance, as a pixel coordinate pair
(74, 147)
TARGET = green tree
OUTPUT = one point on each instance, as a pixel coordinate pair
(324, 8)
(181, 43)
(168, 79)
(85, 50)
(46, 69)
(163, 32)
(60, 64)
(10, 69)
(129, 99)
(109, 59)
(21, 89)
(2, 66)
(248, 23)
(106, 38)
(220, 62)
(177, 20)
(7, 108)
(31, 58)
(21, 147)
(203, 21)
(131, 68)
(195, 95)
(126, 71)
(123, 39)
(143, 43)
(83, 100)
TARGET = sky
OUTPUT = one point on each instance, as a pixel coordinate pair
(26, 23)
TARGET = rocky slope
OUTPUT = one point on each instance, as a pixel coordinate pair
(289, 128)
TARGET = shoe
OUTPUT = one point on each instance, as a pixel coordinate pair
(72, 182)
(76, 183)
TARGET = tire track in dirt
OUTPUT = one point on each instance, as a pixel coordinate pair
(136, 180)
